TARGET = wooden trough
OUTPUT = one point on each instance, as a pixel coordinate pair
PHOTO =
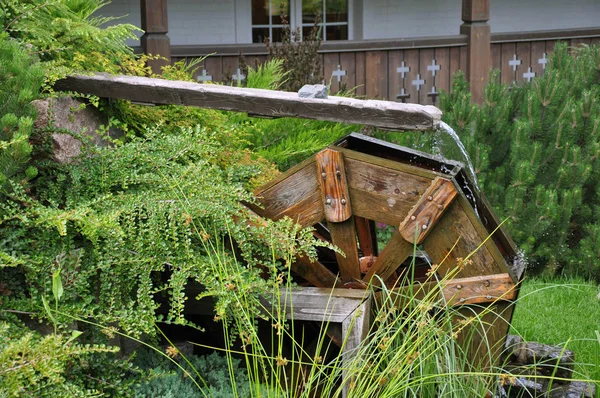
(349, 187)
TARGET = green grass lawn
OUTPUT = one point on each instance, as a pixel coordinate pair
(562, 311)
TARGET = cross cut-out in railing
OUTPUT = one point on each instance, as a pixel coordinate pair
(418, 82)
(205, 77)
(433, 67)
(543, 61)
(433, 94)
(529, 75)
(338, 73)
(403, 70)
(515, 62)
(239, 76)
(403, 96)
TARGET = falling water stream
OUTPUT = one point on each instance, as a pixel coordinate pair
(450, 131)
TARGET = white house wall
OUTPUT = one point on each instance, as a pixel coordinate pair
(195, 22)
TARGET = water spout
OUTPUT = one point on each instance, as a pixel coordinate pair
(471, 170)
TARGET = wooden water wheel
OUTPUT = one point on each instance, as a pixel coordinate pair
(349, 188)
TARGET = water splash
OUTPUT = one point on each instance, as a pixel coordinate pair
(450, 131)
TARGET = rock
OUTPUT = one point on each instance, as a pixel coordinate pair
(548, 360)
(66, 148)
(71, 115)
(313, 91)
(576, 389)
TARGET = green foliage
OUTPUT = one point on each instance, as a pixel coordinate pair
(20, 82)
(535, 149)
(56, 365)
(66, 32)
(171, 382)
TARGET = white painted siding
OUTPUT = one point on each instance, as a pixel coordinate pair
(526, 15)
(228, 21)
(391, 19)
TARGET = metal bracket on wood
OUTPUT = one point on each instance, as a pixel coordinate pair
(428, 209)
(332, 180)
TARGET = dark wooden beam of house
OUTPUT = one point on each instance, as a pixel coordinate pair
(155, 24)
(382, 114)
(475, 16)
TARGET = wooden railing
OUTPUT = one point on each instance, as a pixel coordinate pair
(411, 70)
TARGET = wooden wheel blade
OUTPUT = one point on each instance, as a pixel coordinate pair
(395, 252)
(365, 229)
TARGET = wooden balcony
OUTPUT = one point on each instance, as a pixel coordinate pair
(406, 70)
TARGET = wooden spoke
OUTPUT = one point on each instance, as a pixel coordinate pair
(315, 272)
(367, 239)
(395, 252)
(343, 235)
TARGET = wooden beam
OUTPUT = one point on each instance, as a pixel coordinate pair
(343, 235)
(463, 291)
(155, 24)
(425, 213)
(367, 236)
(315, 272)
(475, 16)
(381, 114)
(395, 252)
(331, 175)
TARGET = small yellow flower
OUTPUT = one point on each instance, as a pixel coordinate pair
(281, 361)
(172, 351)
(318, 359)
(279, 327)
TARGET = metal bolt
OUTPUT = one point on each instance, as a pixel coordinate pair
(488, 297)
(328, 201)
(338, 174)
(441, 207)
(459, 287)
(486, 283)
(413, 218)
(343, 201)
(424, 227)
(462, 300)
(323, 174)
(430, 198)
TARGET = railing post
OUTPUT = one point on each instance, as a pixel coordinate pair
(475, 16)
(155, 24)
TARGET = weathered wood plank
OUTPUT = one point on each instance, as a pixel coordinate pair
(423, 216)
(443, 78)
(289, 190)
(538, 48)
(509, 50)
(395, 81)
(411, 59)
(454, 62)
(465, 291)
(455, 238)
(425, 58)
(524, 54)
(315, 273)
(213, 68)
(343, 235)
(394, 253)
(496, 54)
(330, 64)
(331, 175)
(388, 115)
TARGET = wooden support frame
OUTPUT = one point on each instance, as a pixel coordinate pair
(347, 310)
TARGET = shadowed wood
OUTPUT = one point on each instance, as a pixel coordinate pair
(315, 272)
(430, 207)
(455, 238)
(331, 175)
(384, 114)
(395, 252)
(343, 235)
(367, 239)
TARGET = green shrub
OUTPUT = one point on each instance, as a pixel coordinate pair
(20, 82)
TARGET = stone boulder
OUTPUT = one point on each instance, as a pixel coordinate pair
(76, 119)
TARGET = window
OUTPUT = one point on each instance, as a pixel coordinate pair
(333, 18)
(332, 15)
